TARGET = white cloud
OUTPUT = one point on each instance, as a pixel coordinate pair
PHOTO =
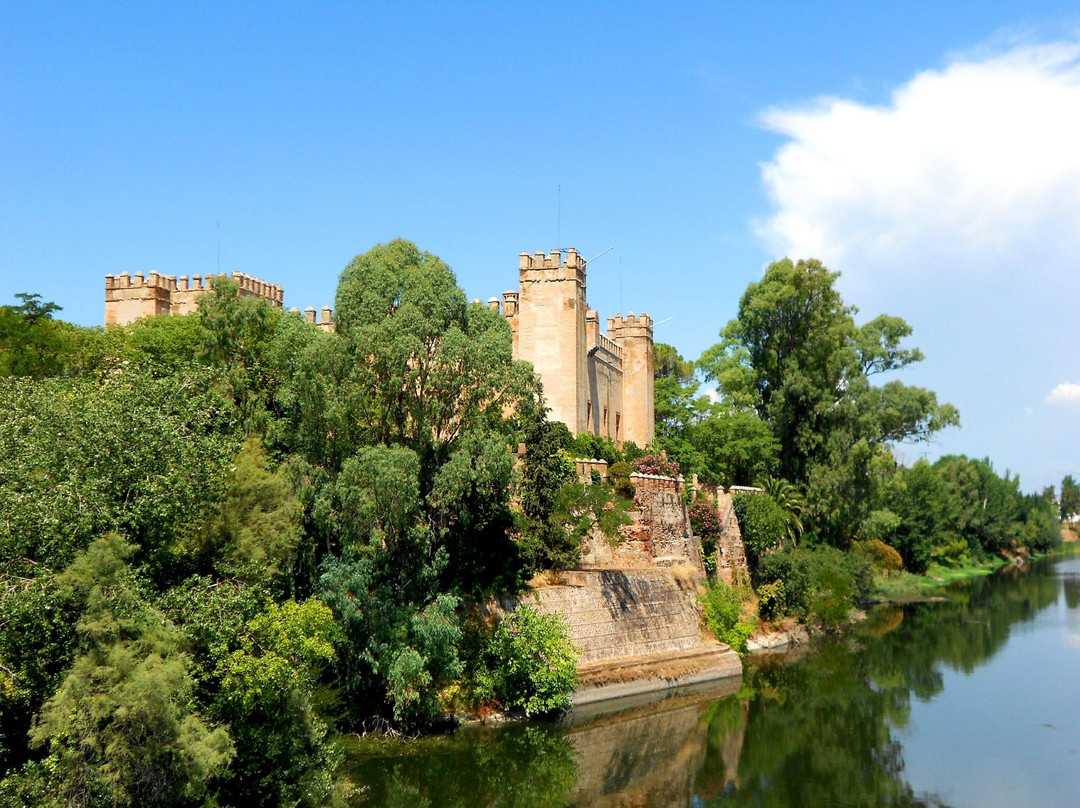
(971, 170)
(1064, 393)
(955, 204)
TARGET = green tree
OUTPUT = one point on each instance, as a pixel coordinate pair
(414, 369)
(400, 652)
(31, 342)
(273, 697)
(669, 364)
(122, 727)
(535, 662)
(253, 531)
(791, 503)
(718, 441)
(1070, 499)
(762, 523)
(795, 354)
(238, 334)
(139, 455)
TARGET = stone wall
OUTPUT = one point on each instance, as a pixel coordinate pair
(615, 614)
(659, 533)
(129, 298)
(731, 566)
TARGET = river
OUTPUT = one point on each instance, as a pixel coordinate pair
(974, 701)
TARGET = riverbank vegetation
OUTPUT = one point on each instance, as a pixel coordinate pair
(809, 392)
(230, 538)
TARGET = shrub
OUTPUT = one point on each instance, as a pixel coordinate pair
(619, 477)
(534, 662)
(771, 599)
(708, 558)
(657, 464)
(761, 522)
(813, 580)
(722, 606)
(705, 520)
(879, 555)
(953, 551)
(593, 446)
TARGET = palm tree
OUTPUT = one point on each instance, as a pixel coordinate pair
(791, 502)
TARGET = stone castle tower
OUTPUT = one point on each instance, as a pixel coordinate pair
(594, 383)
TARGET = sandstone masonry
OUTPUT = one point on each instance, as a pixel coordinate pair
(127, 299)
(595, 383)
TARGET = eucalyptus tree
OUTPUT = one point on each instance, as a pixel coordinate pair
(795, 354)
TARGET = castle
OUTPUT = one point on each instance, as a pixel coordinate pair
(594, 383)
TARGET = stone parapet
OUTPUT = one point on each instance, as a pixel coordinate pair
(129, 298)
(586, 466)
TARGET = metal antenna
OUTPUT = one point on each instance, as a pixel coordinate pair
(219, 248)
(661, 322)
(558, 218)
(609, 249)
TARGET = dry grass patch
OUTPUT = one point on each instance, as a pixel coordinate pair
(544, 578)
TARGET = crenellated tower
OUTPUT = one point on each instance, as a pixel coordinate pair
(548, 320)
(634, 335)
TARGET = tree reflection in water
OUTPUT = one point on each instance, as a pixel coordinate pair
(815, 731)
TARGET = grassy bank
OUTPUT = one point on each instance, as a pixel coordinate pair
(906, 586)
(901, 586)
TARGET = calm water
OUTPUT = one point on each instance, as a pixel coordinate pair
(973, 702)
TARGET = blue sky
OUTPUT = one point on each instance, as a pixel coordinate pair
(925, 150)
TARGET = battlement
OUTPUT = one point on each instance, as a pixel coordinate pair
(553, 267)
(510, 303)
(253, 286)
(630, 326)
(612, 348)
(587, 465)
(128, 298)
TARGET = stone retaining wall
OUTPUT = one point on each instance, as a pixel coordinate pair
(624, 613)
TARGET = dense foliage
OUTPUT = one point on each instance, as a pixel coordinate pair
(230, 536)
(722, 609)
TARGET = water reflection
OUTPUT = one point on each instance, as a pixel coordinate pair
(823, 730)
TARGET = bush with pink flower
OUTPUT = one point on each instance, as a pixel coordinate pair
(657, 464)
(705, 520)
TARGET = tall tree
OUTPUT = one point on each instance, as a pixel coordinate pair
(719, 441)
(1070, 498)
(795, 354)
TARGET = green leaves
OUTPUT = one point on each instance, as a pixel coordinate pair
(138, 455)
(271, 693)
(122, 722)
(1070, 498)
(795, 354)
(762, 523)
(534, 661)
